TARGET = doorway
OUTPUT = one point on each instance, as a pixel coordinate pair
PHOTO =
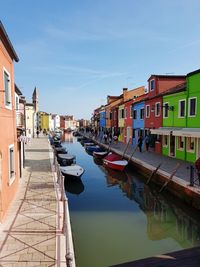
(172, 145)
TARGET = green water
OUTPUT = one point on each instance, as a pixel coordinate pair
(116, 218)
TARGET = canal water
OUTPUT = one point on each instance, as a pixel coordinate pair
(117, 218)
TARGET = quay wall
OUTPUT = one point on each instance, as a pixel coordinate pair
(175, 186)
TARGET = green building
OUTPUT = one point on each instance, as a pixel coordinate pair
(181, 120)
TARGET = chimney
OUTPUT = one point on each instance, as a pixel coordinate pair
(125, 89)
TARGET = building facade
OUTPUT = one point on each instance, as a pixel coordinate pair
(9, 164)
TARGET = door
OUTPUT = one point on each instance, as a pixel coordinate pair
(172, 146)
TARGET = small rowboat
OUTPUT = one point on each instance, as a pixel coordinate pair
(73, 171)
(115, 162)
(60, 150)
(100, 154)
(65, 159)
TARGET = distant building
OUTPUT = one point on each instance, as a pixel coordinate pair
(32, 118)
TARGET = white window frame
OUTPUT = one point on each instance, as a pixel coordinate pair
(187, 144)
(7, 105)
(141, 113)
(179, 108)
(157, 103)
(164, 110)
(163, 143)
(146, 108)
(11, 176)
(179, 147)
(16, 102)
(189, 106)
(152, 80)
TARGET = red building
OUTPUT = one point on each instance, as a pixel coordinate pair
(157, 86)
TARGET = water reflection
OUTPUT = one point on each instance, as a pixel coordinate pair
(74, 185)
(124, 216)
(68, 138)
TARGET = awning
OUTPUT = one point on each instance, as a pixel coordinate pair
(187, 132)
(163, 130)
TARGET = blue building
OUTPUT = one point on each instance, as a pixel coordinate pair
(102, 120)
(138, 122)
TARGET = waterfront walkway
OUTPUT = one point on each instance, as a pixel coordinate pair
(168, 164)
(31, 234)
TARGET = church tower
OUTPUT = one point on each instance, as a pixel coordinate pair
(35, 99)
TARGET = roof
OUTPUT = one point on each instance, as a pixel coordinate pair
(7, 43)
(193, 72)
(167, 76)
(17, 91)
(176, 89)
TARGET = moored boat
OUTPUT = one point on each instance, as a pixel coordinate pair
(100, 154)
(73, 171)
(115, 162)
(60, 150)
(65, 159)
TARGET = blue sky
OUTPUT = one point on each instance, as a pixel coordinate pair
(76, 52)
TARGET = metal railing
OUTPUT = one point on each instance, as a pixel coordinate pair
(66, 227)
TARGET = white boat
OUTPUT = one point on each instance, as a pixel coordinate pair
(72, 171)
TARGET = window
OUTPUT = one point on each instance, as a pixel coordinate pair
(131, 112)
(11, 162)
(122, 113)
(110, 115)
(133, 133)
(134, 114)
(180, 142)
(165, 140)
(157, 109)
(165, 110)
(181, 109)
(16, 102)
(152, 85)
(192, 107)
(142, 113)
(190, 144)
(7, 89)
(147, 111)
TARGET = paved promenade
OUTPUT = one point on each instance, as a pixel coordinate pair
(31, 233)
(168, 164)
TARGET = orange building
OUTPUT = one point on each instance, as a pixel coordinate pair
(9, 163)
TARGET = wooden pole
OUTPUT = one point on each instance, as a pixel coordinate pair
(126, 147)
(132, 153)
(153, 173)
(171, 176)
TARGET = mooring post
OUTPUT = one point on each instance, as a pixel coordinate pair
(191, 175)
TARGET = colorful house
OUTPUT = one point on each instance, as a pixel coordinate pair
(129, 98)
(189, 136)
(9, 164)
(102, 119)
(174, 118)
(138, 120)
(157, 86)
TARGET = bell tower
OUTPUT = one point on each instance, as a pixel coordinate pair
(35, 99)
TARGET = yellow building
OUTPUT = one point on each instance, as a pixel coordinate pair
(30, 120)
(45, 121)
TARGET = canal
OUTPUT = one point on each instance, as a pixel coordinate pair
(117, 218)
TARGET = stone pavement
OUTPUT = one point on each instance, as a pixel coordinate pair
(31, 233)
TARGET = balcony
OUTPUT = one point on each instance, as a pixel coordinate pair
(20, 120)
